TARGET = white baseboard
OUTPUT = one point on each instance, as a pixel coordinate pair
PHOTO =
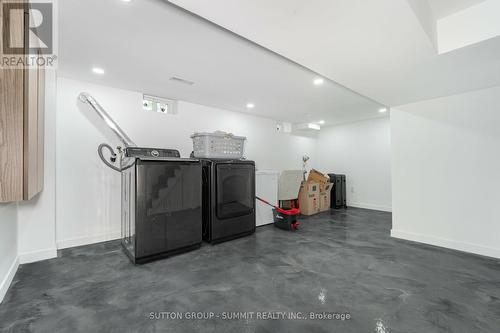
(73, 242)
(29, 257)
(369, 206)
(7, 280)
(447, 243)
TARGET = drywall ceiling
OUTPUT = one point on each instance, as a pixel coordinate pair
(378, 48)
(443, 8)
(142, 44)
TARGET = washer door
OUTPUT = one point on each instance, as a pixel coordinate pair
(235, 190)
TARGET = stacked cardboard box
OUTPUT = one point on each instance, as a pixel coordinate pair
(314, 195)
(324, 197)
(309, 198)
(316, 176)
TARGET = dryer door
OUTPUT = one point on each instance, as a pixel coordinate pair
(235, 190)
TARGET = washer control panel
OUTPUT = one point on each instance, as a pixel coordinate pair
(152, 152)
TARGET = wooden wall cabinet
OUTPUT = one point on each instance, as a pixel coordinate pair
(22, 100)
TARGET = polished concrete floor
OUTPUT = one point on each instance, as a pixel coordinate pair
(342, 263)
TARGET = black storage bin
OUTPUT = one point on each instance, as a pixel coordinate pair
(285, 221)
(338, 197)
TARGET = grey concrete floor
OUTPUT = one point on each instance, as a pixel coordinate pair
(339, 262)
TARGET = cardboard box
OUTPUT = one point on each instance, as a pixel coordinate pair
(316, 176)
(324, 198)
(309, 198)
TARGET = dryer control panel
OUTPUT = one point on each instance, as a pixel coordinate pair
(151, 152)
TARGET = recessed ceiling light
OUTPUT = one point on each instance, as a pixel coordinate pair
(321, 122)
(98, 70)
(126, 0)
(319, 81)
(250, 105)
(383, 110)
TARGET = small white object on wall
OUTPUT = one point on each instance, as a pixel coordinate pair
(159, 104)
(284, 127)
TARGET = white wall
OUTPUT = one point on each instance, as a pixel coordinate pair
(36, 218)
(87, 192)
(8, 246)
(27, 229)
(446, 172)
(362, 151)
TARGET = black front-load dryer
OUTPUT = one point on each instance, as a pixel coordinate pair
(228, 199)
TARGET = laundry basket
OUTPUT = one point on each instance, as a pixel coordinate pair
(218, 145)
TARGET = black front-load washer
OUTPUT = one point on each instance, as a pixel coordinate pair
(228, 199)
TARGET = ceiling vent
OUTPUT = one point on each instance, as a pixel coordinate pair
(181, 81)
